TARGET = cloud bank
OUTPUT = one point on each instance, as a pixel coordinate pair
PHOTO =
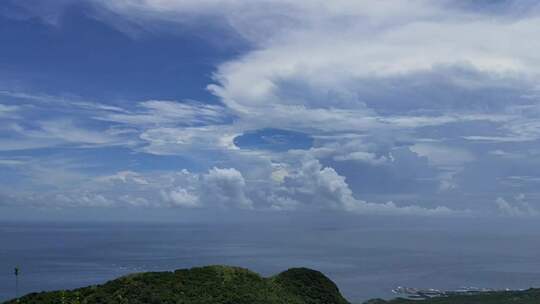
(413, 107)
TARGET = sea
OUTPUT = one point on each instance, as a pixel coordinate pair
(365, 256)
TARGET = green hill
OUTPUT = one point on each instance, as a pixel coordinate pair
(204, 285)
(234, 285)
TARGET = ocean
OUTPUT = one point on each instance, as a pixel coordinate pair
(365, 256)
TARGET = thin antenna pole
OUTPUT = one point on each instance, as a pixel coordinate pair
(17, 283)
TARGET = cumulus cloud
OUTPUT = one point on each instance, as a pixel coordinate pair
(352, 148)
(518, 208)
(325, 188)
(388, 90)
(181, 198)
(307, 186)
(226, 187)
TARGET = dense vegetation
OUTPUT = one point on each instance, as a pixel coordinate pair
(205, 285)
(531, 296)
(233, 285)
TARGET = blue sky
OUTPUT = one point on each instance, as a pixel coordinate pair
(407, 108)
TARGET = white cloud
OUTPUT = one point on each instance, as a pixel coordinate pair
(11, 162)
(296, 42)
(450, 160)
(58, 132)
(363, 156)
(304, 185)
(163, 141)
(61, 101)
(67, 131)
(136, 201)
(80, 200)
(373, 46)
(351, 149)
(325, 188)
(226, 187)
(519, 208)
(363, 78)
(525, 179)
(8, 110)
(181, 198)
(442, 155)
(125, 177)
(382, 37)
(163, 112)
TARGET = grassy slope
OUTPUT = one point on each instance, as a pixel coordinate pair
(212, 284)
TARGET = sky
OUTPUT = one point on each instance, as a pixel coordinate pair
(179, 109)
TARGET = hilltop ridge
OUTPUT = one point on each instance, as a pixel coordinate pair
(202, 285)
(220, 284)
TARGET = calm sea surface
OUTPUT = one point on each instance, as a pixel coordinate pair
(366, 258)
